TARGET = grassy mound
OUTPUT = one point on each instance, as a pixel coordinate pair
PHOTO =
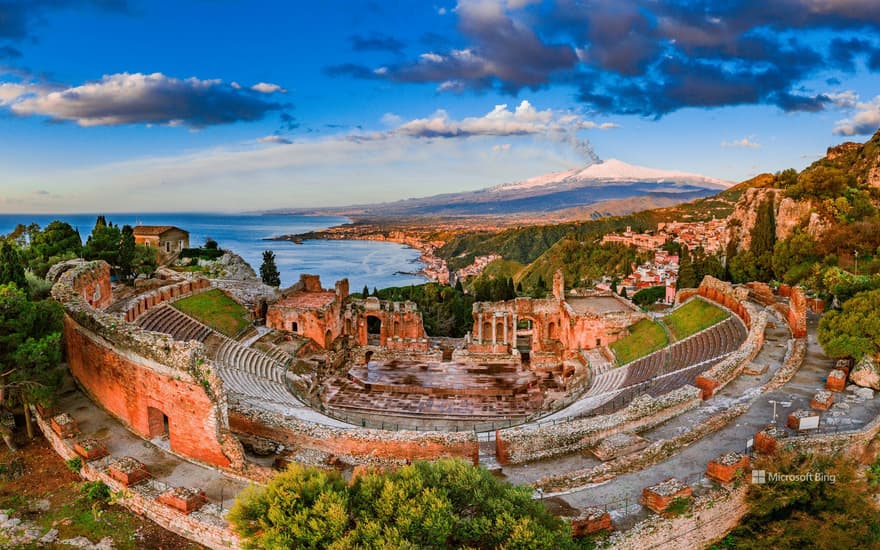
(217, 310)
(645, 337)
(693, 317)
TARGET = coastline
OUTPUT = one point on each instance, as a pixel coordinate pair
(434, 268)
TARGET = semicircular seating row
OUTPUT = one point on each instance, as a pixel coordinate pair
(669, 368)
(245, 371)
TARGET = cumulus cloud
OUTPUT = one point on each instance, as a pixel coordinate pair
(866, 120)
(649, 57)
(502, 147)
(501, 121)
(266, 88)
(135, 98)
(744, 143)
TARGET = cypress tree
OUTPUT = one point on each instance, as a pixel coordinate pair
(269, 271)
(126, 253)
(365, 292)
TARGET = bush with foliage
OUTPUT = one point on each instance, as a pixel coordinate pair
(443, 504)
(648, 296)
(811, 514)
(854, 331)
(446, 310)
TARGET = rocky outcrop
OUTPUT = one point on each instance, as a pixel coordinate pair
(790, 214)
(229, 266)
(866, 373)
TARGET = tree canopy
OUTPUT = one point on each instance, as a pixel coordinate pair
(434, 505)
(854, 331)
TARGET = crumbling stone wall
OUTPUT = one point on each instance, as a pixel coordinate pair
(710, 517)
(207, 529)
(139, 376)
(720, 374)
(797, 312)
(357, 445)
(142, 303)
(535, 442)
(93, 284)
(726, 295)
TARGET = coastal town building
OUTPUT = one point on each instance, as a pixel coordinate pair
(167, 239)
(711, 236)
(661, 271)
(476, 268)
(643, 241)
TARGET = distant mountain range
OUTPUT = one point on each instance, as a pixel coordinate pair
(611, 180)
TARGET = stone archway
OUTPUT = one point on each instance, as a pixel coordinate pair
(158, 423)
(374, 330)
(328, 339)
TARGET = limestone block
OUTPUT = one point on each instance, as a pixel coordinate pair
(796, 418)
(866, 373)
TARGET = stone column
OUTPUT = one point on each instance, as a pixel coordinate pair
(494, 331)
(480, 328)
(505, 327)
(513, 328)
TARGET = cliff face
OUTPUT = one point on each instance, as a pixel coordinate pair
(789, 215)
(862, 160)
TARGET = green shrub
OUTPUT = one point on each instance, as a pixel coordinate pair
(74, 464)
(95, 491)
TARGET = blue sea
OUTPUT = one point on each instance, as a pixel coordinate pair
(371, 263)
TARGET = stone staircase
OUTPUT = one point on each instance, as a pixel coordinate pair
(178, 325)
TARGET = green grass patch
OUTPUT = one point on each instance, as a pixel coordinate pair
(645, 337)
(217, 310)
(693, 317)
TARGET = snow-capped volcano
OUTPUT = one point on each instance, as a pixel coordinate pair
(613, 170)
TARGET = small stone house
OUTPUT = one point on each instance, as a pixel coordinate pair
(169, 240)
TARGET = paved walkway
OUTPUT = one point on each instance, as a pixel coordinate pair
(689, 464)
(164, 466)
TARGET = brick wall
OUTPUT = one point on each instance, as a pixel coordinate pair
(94, 285)
(133, 389)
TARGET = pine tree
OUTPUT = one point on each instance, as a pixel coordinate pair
(269, 271)
(365, 292)
(764, 239)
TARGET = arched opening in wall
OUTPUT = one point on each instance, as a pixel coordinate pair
(487, 331)
(294, 327)
(328, 339)
(157, 423)
(263, 309)
(551, 331)
(348, 327)
(374, 330)
(396, 329)
(525, 331)
(499, 332)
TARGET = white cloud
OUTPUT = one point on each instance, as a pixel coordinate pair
(136, 98)
(501, 148)
(866, 121)
(845, 100)
(744, 143)
(525, 119)
(390, 119)
(266, 88)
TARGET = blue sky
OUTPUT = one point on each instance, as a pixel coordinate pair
(147, 105)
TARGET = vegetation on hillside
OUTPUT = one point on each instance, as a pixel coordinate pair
(446, 310)
(217, 310)
(692, 317)
(809, 514)
(443, 504)
(583, 263)
(117, 247)
(644, 337)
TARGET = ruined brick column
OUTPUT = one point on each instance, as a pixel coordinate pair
(797, 313)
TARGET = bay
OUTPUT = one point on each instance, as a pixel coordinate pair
(372, 263)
